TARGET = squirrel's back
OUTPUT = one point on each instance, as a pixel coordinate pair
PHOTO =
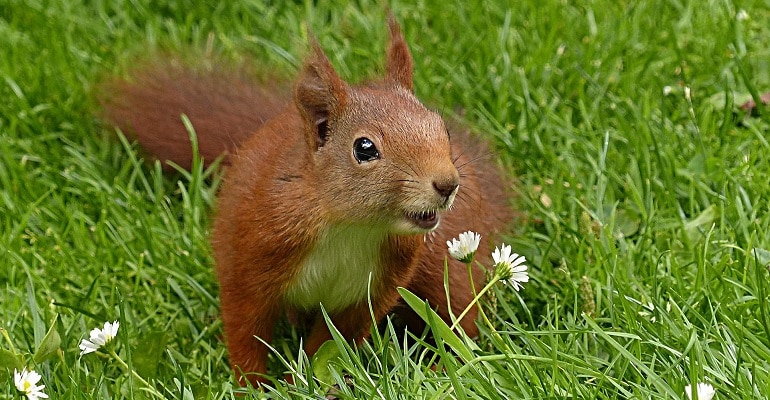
(225, 106)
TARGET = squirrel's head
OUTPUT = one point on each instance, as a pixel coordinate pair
(379, 156)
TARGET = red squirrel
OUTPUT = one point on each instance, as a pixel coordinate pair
(334, 195)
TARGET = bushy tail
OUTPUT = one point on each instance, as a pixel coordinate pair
(225, 106)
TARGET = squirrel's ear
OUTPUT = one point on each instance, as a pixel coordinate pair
(319, 92)
(399, 64)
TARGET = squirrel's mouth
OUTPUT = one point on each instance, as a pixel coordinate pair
(427, 220)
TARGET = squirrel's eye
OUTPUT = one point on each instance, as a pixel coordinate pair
(364, 150)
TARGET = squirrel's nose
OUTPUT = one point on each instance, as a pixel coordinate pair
(446, 188)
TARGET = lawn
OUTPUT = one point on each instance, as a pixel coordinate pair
(642, 185)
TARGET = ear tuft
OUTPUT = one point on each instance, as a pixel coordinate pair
(319, 93)
(399, 65)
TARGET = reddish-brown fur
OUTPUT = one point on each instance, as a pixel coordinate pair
(225, 105)
(288, 186)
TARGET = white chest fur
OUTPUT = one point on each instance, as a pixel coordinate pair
(336, 272)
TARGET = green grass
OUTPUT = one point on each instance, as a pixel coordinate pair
(646, 216)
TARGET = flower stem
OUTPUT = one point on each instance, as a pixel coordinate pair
(487, 321)
(473, 291)
(474, 301)
(469, 264)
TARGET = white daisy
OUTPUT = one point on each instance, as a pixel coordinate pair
(510, 266)
(26, 382)
(705, 391)
(99, 337)
(464, 247)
